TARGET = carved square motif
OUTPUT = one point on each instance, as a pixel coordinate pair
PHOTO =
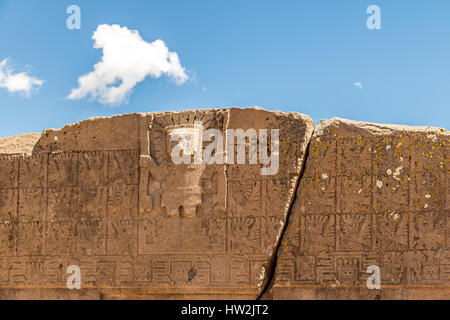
(32, 171)
(244, 197)
(428, 153)
(161, 272)
(8, 171)
(290, 244)
(148, 235)
(35, 272)
(317, 233)
(271, 196)
(32, 204)
(354, 156)
(124, 272)
(321, 159)
(88, 266)
(316, 195)
(354, 232)
(179, 272)
(240, 271)
(271, 228)
(391, 231)
(390, 194)
(123, 167)
(122, 201)
(7, 238)
(93, 168)
(241, 172)
(200, 272)
(354, 194)
(394, 268)
(53, 271)
(63, 204)
(121, 237)
(427, 191)
(220, 269)
(245, 235)
(90, 237)
(62, 170)
(429, 230)
(4, 272)
(285, 271)
(305, 268)
(106, 273)
(392, 154)
(143, 270)
(60, 238)
(30, 237)
(347, 271)
(216, 230)
(326, 270)
(424, 267)
(445, 272)
(17, 272)
(8, 204)
(93, 201)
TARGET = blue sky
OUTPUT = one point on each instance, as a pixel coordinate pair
(302, 56)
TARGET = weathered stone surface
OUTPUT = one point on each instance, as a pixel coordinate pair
(370, 194)
(104, 194)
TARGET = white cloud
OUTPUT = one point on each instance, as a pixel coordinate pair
(358, 85)
(18, 82)
(127, 60)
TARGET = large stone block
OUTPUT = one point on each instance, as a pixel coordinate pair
(105, 195)
(371, 195)
(108, 195)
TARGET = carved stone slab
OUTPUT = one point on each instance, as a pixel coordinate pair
(105, 195)
(370, 195)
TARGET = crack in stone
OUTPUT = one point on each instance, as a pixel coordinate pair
(272, 265)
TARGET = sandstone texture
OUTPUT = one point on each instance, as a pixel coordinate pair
(105, 195)
(23, 144)
(370, 194)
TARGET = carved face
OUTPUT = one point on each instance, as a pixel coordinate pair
(182, 190)
(181, 134)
